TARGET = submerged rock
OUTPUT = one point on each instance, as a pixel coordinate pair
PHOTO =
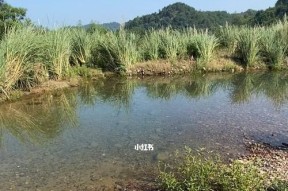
(162, 156)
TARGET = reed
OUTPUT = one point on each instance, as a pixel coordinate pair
(273, 48)
(205, 46)
(117, 51)
(228, 37)
(81, 45)
(20, 51)
(151, 45)
(58, 51)
(171, 43)
(248, 46)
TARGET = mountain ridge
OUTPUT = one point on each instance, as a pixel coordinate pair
(181, 15)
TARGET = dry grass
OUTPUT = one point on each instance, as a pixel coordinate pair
(161, 67)
(223, 61)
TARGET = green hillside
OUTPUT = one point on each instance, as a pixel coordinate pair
(180, 15)
(271, 14)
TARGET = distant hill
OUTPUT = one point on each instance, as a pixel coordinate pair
(113, 26)
(179, 15)
(271, 14)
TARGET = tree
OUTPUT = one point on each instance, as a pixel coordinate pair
(91, 28)
(281, 8)
(10, 16)
(281, 3)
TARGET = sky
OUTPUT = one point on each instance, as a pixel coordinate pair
(72, 12)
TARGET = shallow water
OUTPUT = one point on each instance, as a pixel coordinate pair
(84, 139)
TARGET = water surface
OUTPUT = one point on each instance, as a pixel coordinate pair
(84, 138)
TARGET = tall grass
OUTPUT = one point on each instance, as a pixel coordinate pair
(205, 45)
(282, 26)
(81, 45)
(151, 46)
(166, 44)
(228, 37)
(19, 52)
(273, 47)
(117, 51)
(58, 51)
(248, 46)
(171, 43)
(29, 55)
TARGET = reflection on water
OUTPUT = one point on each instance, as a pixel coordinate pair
(83, 139)
(38, 119)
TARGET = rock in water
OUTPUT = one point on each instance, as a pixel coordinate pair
(162, 156)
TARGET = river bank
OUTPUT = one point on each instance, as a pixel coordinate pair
(165, 68)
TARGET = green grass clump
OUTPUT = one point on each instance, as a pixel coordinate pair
(248, 46)
(20, 66)
(199, 173)
(81, 46)
(117, 51)
(273, 47)
(151, 45)
(205, 45)
(279, 186)
(171, 44)
(58, 51)
(228, 37)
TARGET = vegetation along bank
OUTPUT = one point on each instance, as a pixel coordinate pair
(30, 55)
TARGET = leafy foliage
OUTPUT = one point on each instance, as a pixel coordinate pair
(10, 16)
(272, 14)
